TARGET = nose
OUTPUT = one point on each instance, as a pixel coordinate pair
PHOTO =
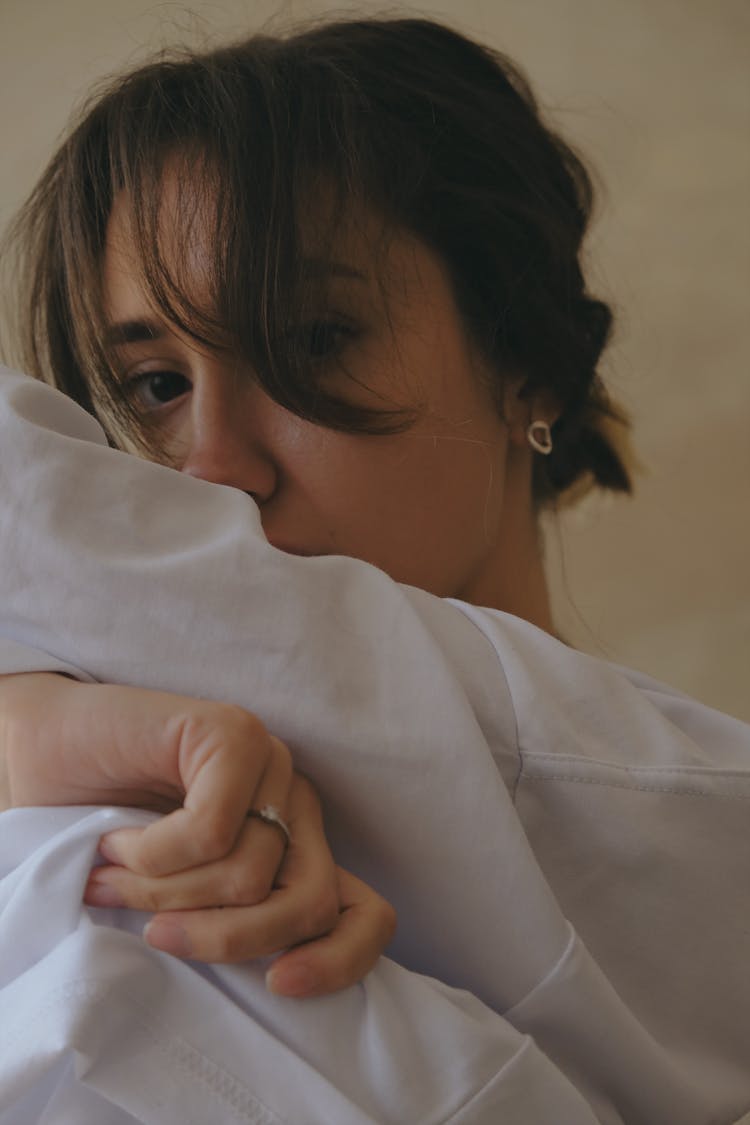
(226, 442)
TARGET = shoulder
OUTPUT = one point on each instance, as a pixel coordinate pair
(580, 716)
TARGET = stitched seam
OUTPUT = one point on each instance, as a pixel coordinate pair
(222, 1086)
(636, 788)
(179, 1053)
(696, 771)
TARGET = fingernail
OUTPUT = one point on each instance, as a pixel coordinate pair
(168, 937)
(297, 981)
(99, 893)
(108, 848)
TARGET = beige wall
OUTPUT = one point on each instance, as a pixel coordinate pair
(657, 93)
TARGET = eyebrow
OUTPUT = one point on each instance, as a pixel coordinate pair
(133, 332)
(318, 267)
(142, 330)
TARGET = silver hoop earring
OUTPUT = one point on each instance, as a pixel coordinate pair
(539, 437)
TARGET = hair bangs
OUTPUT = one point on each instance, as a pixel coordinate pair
(252, 157)
(229, 170)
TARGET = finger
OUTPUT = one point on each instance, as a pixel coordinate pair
(304, 904)
(243, 878)
(230, 761)
(344, 956)
(234, 934)
(273, 793)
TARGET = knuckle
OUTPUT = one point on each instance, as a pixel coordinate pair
(137, 892)
(245, 723)
(213, 835)
(208, 720)
(245, 887)
(282, 755)
(147, 898)
(146, 863)
(245, 728)
(386, 919)
(320, 913)
(229, 945)
(305, 799)
(249, 735)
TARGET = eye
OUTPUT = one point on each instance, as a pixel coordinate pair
(150, 390)
(323, 339)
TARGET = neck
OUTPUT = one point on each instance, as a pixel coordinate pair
(515, 581)
(518, 585)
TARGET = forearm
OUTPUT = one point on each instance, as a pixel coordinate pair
(24, 780)
(6, 799)
(60, 747)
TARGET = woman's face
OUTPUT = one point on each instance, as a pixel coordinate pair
(444, 506)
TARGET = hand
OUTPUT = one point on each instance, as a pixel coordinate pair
(343, 924)
(204, 764)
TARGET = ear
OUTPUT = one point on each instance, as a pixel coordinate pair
(521, 407)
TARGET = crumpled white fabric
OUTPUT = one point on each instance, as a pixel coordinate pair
(566, 840)
(98, 1028)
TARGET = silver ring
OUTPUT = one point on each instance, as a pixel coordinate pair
(269, 814)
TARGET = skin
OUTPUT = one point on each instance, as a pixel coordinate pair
(202, 764)
(445, 506)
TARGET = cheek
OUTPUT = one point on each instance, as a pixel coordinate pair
(424, 506)
(440, 510)
(471, 492)
(176, 435)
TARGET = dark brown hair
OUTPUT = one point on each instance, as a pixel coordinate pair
(432, 132)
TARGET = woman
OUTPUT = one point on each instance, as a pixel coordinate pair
(340, 274)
